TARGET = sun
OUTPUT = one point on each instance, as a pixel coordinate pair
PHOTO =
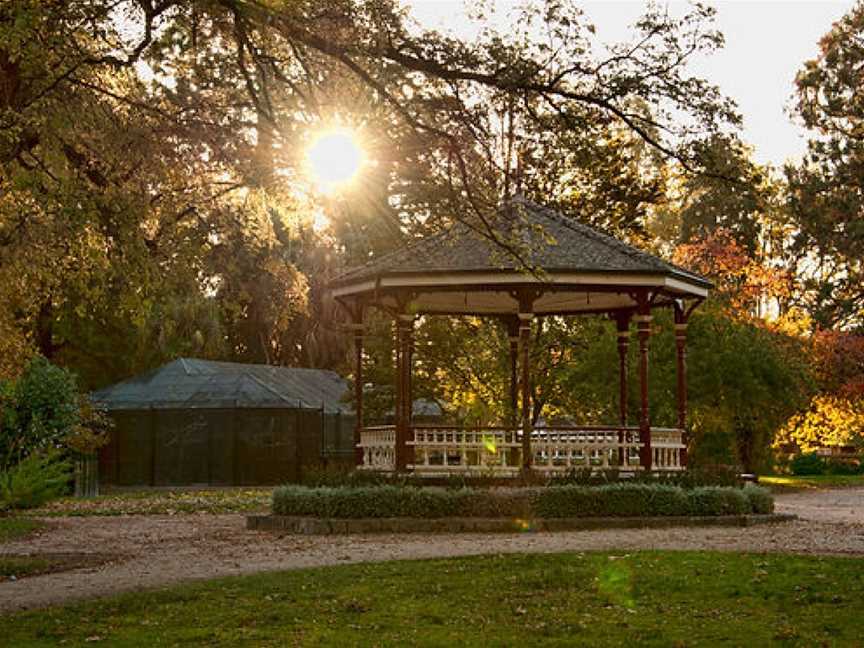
(334, 158)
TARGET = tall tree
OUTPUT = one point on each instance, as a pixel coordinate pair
(826, 191)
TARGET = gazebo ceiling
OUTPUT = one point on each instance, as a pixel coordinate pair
(572, 268)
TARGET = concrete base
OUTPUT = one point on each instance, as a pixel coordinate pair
(327, 526)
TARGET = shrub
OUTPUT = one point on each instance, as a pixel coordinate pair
(693, 477)
(34, 481)
(40, 408)
(611, 500)
(760, 499)
(43, 410)
(717, 500)
(807, 464)
(843, 467)
(585, 477)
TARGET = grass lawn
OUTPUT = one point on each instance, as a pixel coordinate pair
(811, 481)
(594, 599)
(163, 502)
(18, 566)
(13, 528)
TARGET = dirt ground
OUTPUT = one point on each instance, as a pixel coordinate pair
(162, 550)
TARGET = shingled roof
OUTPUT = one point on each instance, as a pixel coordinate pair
(543, 239)
(191, 383)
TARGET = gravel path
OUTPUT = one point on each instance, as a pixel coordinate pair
(162, 550)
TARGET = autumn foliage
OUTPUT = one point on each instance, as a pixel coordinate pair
(743, 282)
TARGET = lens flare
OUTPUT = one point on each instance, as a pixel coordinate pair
(615, 584)
(334, 159)
(525, 526)
(489, 444)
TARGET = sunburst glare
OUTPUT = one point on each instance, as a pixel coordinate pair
(334, 159)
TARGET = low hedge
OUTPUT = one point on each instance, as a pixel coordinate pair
(613, 500)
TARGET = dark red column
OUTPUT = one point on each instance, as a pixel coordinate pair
(643, 323)
(404, 335)
(513, 339)
(358, 390)
(622, 321)
(681, 374)
(525, 359)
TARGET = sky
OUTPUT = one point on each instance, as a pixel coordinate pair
(767, 41)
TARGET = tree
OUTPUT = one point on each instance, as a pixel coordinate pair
(151, 158)
(826, 191)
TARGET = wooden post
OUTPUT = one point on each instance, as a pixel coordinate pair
(681, 375)
(409, 382)
(525, 358)
(404, 330)
(622, 321)
(643, 322)
(357, 327)
(513, 339)
(399, 396)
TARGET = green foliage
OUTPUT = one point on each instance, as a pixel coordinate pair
(14, 528)
(826, 190)
(716, 500)
(844, 466)
(40, 409)
(334, 477)
(37, 479)
(808, 463)
(760, 498)
(745, 381)
(705, 475)
(611, 500)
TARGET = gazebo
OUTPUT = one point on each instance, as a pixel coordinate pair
(531, 262)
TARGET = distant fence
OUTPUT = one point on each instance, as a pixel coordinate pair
(220, 447)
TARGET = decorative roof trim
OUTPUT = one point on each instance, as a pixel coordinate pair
(509, 278)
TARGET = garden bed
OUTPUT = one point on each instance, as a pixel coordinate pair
(395, 509)
(329, 526)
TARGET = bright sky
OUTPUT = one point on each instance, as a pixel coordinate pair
(766, 43)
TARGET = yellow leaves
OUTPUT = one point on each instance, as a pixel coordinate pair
(15, 348)
(829, 421)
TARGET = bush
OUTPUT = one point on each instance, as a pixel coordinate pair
(611, 500)
(34, 481)
(693, 477)
(718, 500)
(760, 499)
(807, 464)
(843, 467)
(43, 410)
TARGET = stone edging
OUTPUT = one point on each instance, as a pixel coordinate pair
(328, 526)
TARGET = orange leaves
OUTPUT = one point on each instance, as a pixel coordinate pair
(743, 281)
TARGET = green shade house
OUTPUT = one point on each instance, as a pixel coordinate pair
(198, 422)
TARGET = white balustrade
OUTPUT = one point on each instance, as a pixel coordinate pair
(453, 449)
(666, 448)
(560, 449)
(379, 448)
(497, 451)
